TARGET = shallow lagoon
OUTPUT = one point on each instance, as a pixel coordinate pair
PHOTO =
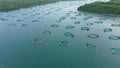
(47, 25)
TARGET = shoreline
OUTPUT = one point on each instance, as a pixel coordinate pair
(6, 6)
(108, 8)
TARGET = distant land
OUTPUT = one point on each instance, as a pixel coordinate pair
(7, 5)
(111, 8)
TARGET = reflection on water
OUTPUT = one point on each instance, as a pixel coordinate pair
(68, 38)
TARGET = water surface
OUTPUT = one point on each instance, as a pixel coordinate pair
(58, 36)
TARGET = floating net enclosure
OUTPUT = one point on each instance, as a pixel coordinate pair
(61, 19)
(90, 17)
(73, 17)
(102, 18)
(89, 24)
(98, 22)
(115, 25)
(40, 17)
(113, 37)
(74, 12)
(3, 19)
(49, 12)
(37, 13)
(107, 30)
(46, 32)
(93, 36)
(69, 34)
(69, 27)
(85, 28)
(68, 14)
(64, 43)
(55, 26)
(91, 47)
(19, 20)
(12, 24)
(46, 14)
(32, 15)
(116, 51)
(77, 22)
(79, 14)
(37, 41)
(86, 18)
(35, 20)
(24, 25)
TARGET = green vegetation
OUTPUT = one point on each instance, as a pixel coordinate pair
(6, 5)
(112, 7)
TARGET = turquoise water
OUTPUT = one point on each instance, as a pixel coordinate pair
(58, 36)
